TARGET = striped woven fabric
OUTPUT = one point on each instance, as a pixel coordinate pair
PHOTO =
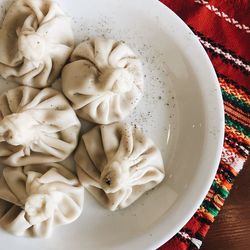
(223, 29)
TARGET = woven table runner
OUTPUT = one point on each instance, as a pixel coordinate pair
(223, 28)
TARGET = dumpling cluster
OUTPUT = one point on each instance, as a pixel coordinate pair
(104, 80)
(36, 198)
(33, 45)
(36, 126)
(116, 163)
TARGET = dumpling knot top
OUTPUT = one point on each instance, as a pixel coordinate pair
(32, 47)
(36, 39)
(116, 163)
(19, 129)
(104, 80)
(36, 126)
(35, 198)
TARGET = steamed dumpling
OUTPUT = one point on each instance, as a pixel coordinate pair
(36, 40)
(104, 80)
(116, 163)
(36, 126)
(36, 198)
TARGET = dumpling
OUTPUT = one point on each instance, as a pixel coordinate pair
(36, 126)
(116, 163)
(36, 39)
(104, 80)
(36, 198)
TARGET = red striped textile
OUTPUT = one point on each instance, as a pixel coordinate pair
(223, 28)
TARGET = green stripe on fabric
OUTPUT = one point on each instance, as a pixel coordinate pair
(239, 103)
(237, 125)
(209, 206)
(220, 190)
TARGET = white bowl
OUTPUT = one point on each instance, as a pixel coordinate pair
(182, 111)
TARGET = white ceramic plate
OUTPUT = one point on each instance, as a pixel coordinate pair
(182, 111)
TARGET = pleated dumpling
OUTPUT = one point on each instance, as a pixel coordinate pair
(116, 163)
(36, 39)
(36, 198)
(103, 81)
(36, 126)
